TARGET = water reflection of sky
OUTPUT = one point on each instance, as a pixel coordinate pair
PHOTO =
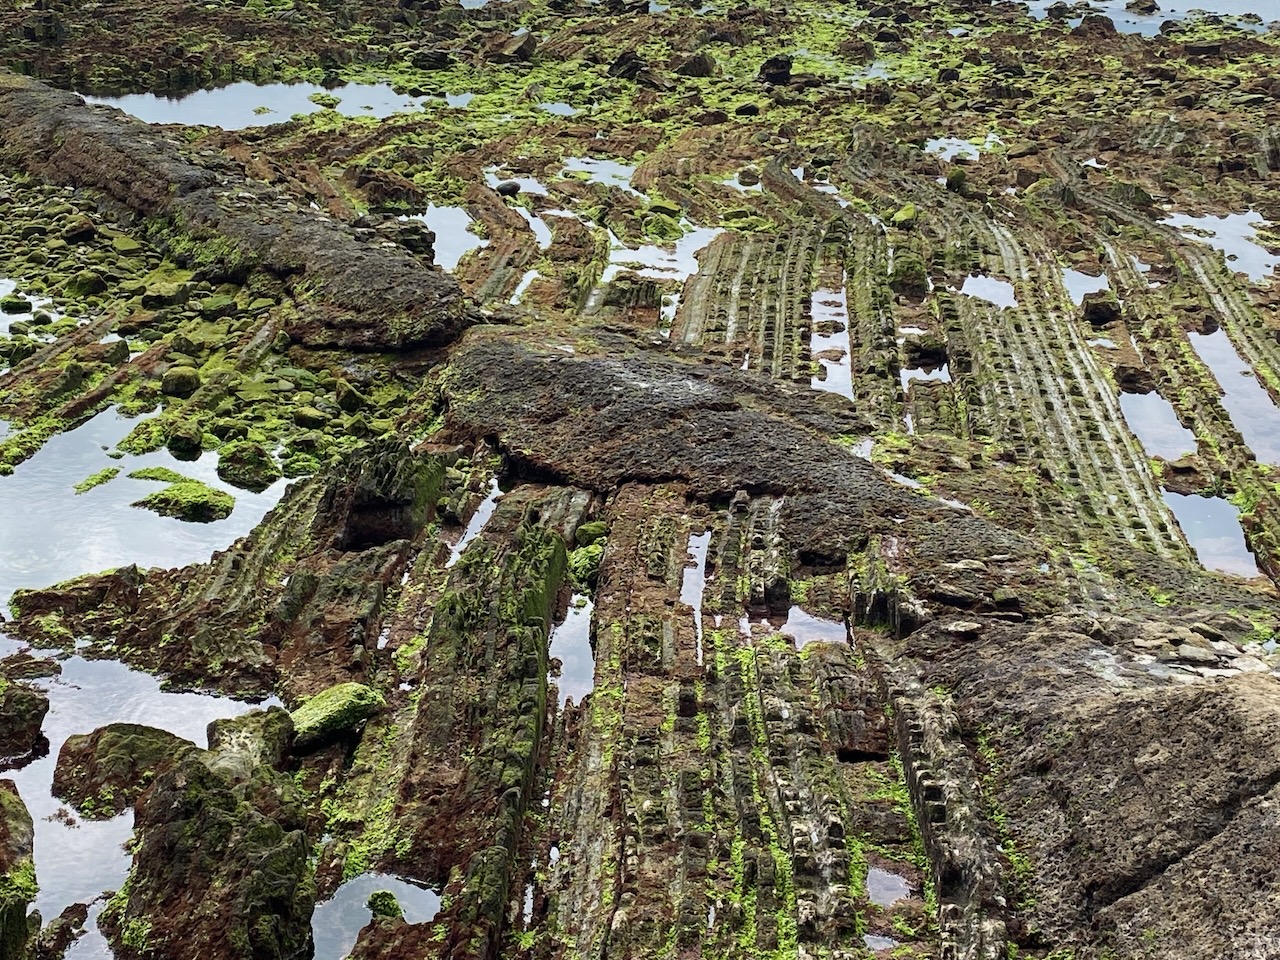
(50, 533)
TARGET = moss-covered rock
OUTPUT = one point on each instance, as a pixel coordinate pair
(185, 439)
(584, 564)
(588, 533)
(383, 903)
(17, 870)
(906, 215)
(349, 398)
(13, 303)
(240, 745)
(22, 711)
(330, 712)
(219, 863)
(97, 479)
(180, 381)
(189, 500)
(247, 465)
(102, 773)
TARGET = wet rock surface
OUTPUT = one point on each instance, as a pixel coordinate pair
(221, 857)
(785, 349)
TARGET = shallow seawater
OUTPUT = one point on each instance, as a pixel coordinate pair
(541, 229)
(37, 303)
(523, 286)
(830, 307)
(245, 104)
(694, 582)
(805, 628)
(1078, 284)
(1235, 236)
(954, 148)
(560, 108)
(939, 374)
(477, 522)
(526, 184)
(995, 291)
(1149, 24)
(874, 942)
(1154, 422)
(885, 888)
(77, 863)
(454, 239)
(571, 643)
(677, 262)
(1249, 405)
(337, 921)
(609, 172)
(50, 533)
(1212, 527)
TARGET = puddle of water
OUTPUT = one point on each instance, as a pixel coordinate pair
(527, 184)
(76, 863)
(1153, 421)
(831, 307)
(742, 187)
(991, 289)
(560, 108)
(51, 533)
(940, 374)
(951, 148)
(885, 888)
(525, 283)
(337, 921)
(571, 644)
(694, 581)
(1105, 342)
(477, 522)
(1212, 527)
(37, 303)
(876, 70)
(454, 239)
(1251, 409)
(805, 628)
(660, 263)
(1148, 25)
(1078, 284)
(1235, 235)
(541, 231)
(609, 172)
(459, 100)
(874, 942)
(246, 104)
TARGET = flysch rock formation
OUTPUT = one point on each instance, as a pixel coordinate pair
(762, 481)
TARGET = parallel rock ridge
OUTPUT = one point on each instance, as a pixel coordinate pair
(765, 482)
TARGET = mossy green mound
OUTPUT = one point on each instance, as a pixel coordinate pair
(248, 465)
(188, 500)
(331, 711)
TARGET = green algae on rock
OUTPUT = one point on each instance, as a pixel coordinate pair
(248, 465)
(189, 500)
(105, 475)
(17, 870)
(336, 710)
(102, 773)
